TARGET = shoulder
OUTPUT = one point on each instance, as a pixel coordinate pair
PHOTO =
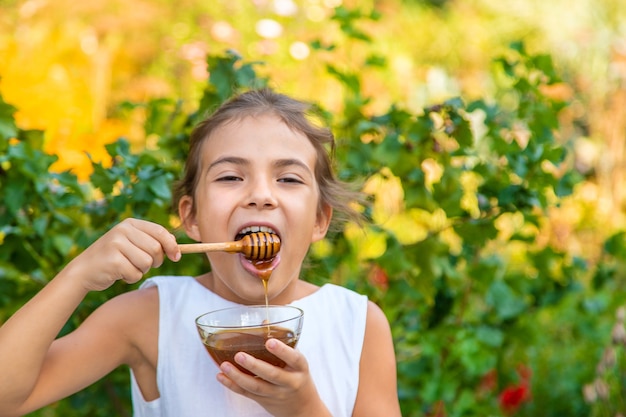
(377, 393)
(376, 319)
(127, 310)
(377, 332)
(135, 302)
(130, 319)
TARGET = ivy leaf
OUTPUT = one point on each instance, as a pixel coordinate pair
(476, 232)
(14, 196)
(8, 129)
(101, 179)
(351, 81)
(616, 245)
(160, 186)
(490, 336)
(504, 300)
(319, 45)
(63, 244)
(544, 63)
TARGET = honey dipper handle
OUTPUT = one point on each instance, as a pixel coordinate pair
(210, 247)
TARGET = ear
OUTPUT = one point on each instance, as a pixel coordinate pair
(322, 222)
(188, 217)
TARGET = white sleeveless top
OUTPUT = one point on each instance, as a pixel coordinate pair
(186, 374)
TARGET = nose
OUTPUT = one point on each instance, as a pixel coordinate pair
(261, 194)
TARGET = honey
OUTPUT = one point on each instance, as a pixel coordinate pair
(223, 345)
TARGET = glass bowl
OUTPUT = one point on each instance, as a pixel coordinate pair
(246, 329)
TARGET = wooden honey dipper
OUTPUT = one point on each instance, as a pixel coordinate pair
(255, 246)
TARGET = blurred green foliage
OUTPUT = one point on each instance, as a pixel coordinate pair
(476, 293)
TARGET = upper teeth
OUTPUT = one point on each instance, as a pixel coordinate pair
(255, 229)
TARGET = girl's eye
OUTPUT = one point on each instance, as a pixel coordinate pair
(292, 180)
(229, 178)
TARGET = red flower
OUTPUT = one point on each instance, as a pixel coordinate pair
(378, 277)
(513, 397)
(488, 382)
(524, 373)
(438, 410)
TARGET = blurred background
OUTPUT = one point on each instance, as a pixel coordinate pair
(66, 65)
(71, 69)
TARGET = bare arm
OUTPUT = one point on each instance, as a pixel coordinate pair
(36, 369)
(378, 386)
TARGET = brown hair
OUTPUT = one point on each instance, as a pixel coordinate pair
(298, 116)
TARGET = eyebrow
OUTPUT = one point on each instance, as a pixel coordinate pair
(280, 163)
(227, 160)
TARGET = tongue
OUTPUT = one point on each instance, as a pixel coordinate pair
(261, 268)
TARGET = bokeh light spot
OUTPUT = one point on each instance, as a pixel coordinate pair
(299, 50)
(269, 28)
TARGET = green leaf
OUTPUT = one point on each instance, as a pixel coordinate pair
(63, 244)
(160, 186)
(376, 61)
(352, 81)
(321, 46)
(544, 63)
(15, 196)
(504, 300)
(490, 336)
(616, 245)
(476, 232)
(8, 128)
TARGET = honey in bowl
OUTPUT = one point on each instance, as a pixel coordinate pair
(246, 329)
(222, 346)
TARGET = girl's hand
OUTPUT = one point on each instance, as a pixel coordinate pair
(288, 391)
(126, 252)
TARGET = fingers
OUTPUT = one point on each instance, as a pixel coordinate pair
(144, 245)
(154, 239)
(126, 252)
(233, 379)
(133, 263)
(244, 384)
(281, 391)
(294, 360)
(270, 378)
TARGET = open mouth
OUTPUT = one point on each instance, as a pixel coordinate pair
(254, 229)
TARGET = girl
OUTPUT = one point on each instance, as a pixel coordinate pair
(257, 162)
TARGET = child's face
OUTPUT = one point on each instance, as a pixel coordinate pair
(256, 172)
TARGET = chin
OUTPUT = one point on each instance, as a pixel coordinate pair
(249, 294)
